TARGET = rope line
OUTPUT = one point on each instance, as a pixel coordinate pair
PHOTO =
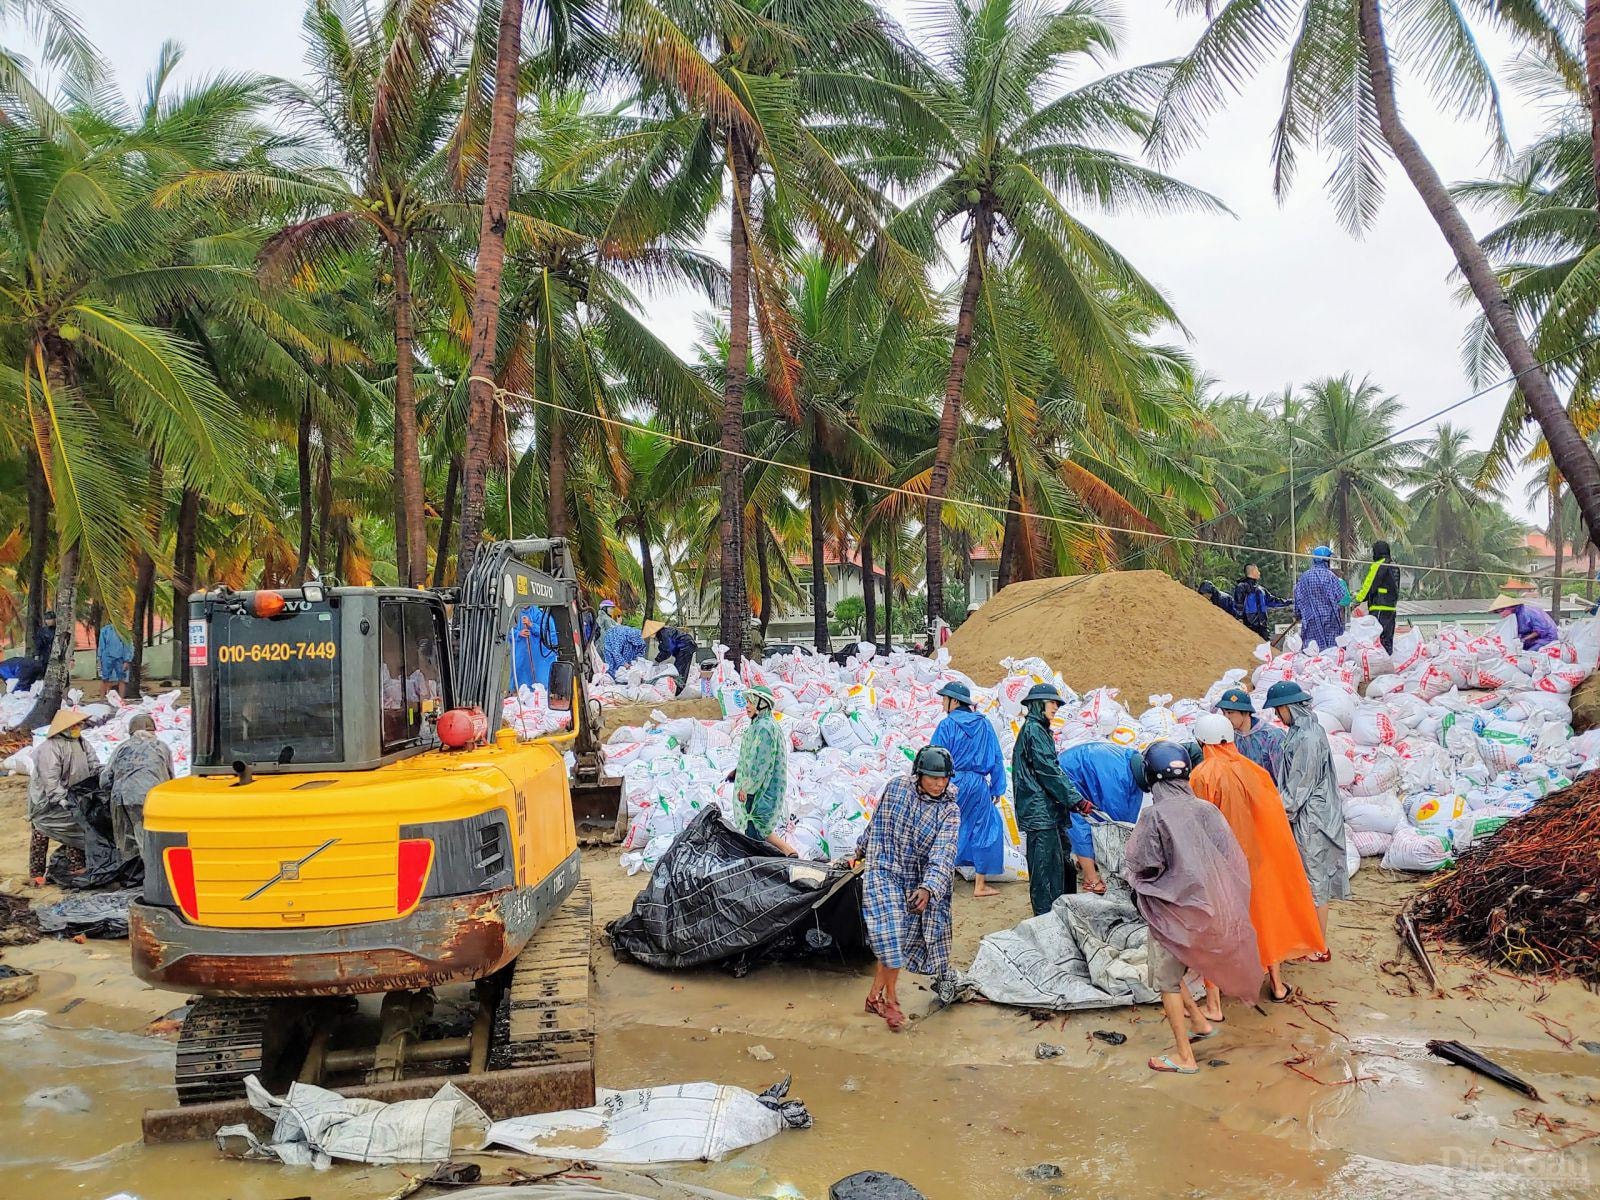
(996, 509)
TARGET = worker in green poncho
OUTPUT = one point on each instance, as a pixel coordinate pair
(763, 770)
(1045, 800)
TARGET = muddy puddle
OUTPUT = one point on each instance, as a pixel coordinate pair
(1335, 1097)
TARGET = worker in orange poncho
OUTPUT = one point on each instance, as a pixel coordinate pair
(1281, 907)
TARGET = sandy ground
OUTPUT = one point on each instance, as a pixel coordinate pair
(958, 1103)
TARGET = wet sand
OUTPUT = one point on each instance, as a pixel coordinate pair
(957, 1103)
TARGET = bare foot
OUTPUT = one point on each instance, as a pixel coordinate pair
(984, 892)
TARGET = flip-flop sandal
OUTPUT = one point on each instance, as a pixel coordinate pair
(896, 1020)
(1165, 1066)
(1200, 1037)
(877, 1006)
(1321, 956)
(1288, 995)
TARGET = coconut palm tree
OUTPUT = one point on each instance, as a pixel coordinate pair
(95, 258)
(1011, 166)
(1346, 429)
(573, 42)
(763, 102)
(1448, 500)
(1340, 93)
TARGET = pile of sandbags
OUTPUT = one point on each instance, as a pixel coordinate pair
(1421, 770)
(108, 727)
(1447, 736)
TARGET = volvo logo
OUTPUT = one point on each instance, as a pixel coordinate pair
(289, 870)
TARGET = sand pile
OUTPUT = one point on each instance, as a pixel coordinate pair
(1140, 632)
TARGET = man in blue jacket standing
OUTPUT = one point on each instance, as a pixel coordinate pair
(980, 780)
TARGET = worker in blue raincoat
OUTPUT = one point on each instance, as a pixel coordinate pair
(1112, 779)
(532, 648)
(980, 767)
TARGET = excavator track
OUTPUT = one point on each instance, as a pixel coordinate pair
(545, 1015)
(222, 1041)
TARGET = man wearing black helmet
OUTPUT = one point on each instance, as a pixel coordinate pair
(910, 852)
(1191, 882)
(1045, 800)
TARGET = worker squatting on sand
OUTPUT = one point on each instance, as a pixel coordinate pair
(1281, 908)
(59, 762)
(910, 853)
(1192, 886)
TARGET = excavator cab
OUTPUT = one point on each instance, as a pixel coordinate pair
(330, 845)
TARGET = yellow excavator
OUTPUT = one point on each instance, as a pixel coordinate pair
(359, 834)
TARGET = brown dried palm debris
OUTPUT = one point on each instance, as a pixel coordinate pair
(18, 925)
(1527, 896)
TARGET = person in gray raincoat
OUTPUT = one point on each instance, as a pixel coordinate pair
(1311, 797)
(60, 761)
(1045, 800)
(135, 767)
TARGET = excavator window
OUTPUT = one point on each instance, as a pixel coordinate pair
(412, 681)
(275, 694)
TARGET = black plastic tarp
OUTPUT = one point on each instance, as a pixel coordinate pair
(717, 896)
(104, 866)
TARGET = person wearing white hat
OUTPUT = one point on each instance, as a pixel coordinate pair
(60, 761)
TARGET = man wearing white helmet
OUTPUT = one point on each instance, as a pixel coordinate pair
(1281, 907)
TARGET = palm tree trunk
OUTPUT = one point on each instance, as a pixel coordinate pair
(1347, 534)
(647, 567)
(869, 590)
(325, 509)
(764, 570)
(302, 448)
(488, 267)
(38, 541)
(441, 557)
(730, 524)
(411, 533)
(888, 597)
(1013, 528)
(819, 569)
(145, 581)
(950, 418)
(1556, 536)
(59, 378)
(184, 553)
(1591, 54)
(1568, 450)
(558, 476)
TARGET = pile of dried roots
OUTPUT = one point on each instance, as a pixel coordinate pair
(1527, 897)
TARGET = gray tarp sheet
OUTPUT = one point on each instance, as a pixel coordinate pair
(1088, 951)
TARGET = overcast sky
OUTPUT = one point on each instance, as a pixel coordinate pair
(1272, 296)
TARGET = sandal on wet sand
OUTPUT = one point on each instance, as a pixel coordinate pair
(1288, 995)
(895, 1018)
(1321, 956)
(1200, 1037)
(1165, 1066)
(877, 1006)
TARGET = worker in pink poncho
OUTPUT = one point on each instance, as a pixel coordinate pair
(1191, 882)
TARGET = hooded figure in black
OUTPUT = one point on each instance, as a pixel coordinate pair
(1380, 592)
